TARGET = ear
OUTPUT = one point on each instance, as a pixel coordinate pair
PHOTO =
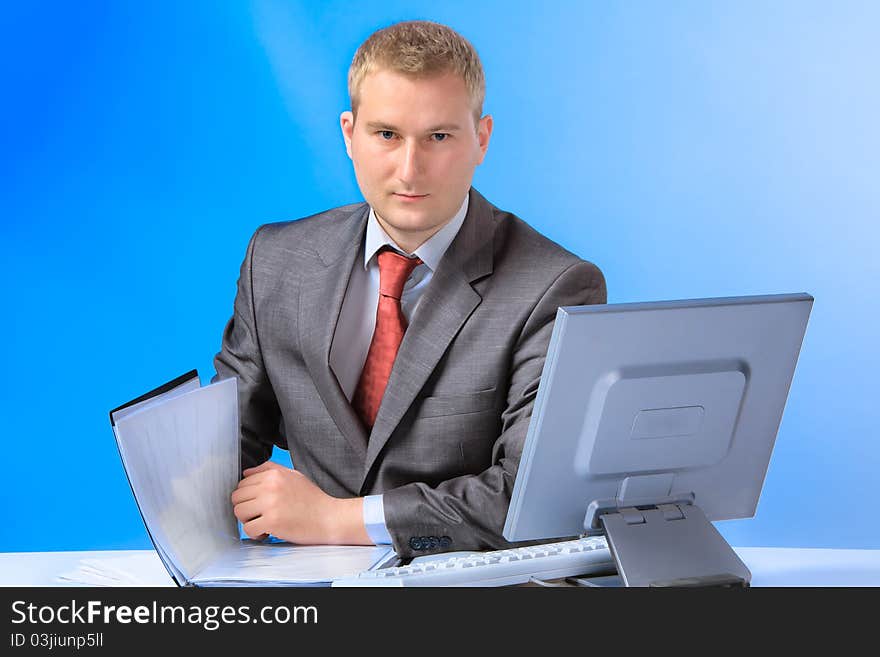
(484, 133)
(346, 122)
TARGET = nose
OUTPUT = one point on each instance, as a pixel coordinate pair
(410, 164)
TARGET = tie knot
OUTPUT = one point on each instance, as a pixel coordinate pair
(394, 269)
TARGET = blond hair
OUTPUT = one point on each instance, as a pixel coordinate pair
(419, 49)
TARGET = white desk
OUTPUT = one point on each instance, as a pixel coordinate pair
(769, 566)
(43, 568)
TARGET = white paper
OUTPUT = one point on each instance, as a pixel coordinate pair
(284, 563)
(186, 386)
(182, 460)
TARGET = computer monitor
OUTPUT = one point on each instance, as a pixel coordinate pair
(652, 413)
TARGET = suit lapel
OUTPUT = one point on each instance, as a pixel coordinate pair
(445, 306)
(321, 296)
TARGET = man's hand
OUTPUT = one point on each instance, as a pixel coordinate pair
(272, 499)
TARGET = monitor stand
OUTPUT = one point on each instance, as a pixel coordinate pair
(667, 545)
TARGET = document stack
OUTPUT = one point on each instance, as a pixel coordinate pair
(179, 446)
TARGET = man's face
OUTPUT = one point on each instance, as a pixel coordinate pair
(414, 147)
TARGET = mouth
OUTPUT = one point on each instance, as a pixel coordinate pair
(410, 197)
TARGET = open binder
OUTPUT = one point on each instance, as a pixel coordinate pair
(179, 446)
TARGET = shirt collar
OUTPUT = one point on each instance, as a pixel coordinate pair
(430, 252)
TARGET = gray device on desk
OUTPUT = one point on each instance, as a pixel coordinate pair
(653, 419)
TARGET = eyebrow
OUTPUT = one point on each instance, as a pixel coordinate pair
(443, 127)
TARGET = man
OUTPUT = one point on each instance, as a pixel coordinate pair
(395, 347)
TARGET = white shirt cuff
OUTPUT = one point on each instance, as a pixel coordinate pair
(374, 520)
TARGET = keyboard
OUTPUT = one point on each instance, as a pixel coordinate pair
(583, 556)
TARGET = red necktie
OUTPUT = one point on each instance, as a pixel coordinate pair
(394, 269)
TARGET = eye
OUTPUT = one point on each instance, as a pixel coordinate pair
(439, 136)
(385, 134)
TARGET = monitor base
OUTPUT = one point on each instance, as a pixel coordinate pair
(670, 545)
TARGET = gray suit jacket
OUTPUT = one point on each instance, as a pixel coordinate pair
(447, 440)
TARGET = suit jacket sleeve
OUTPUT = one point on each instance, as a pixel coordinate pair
(240, 356)
(471, 510)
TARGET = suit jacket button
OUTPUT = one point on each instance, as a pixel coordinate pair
(415, 543)
(433, 542)
(445, 542)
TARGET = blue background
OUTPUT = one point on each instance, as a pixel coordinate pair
(690, 149)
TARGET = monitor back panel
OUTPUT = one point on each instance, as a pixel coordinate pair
(672, 399)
